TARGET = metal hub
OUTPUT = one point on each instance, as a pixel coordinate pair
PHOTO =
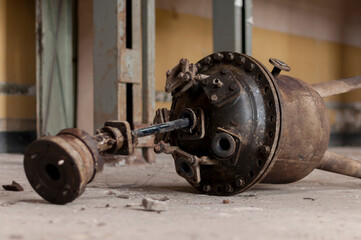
(59, 167)
(242, 119)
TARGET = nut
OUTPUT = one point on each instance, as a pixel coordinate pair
(240, 182)
(207, 188)
(214, 98)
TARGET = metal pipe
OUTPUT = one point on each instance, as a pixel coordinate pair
(337, 163)
(163, 127)
(335, 87)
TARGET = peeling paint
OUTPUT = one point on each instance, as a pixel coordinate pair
(17, 89)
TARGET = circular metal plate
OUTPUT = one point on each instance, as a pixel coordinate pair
(252, 118)
(52, 170)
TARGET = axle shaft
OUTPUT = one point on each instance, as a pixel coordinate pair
(163, 127)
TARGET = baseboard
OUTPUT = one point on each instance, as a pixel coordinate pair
(345, 139)
(16, 142)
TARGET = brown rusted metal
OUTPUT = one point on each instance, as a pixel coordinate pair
(59, 167)
(337, 163)
(232, 124)
(14, 186)
(260, 126)
(304, 131)
(335, 87)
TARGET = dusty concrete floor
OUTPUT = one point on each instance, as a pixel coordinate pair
(321, 206)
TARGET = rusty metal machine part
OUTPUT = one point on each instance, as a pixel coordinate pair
(232, 124)
(59, 167)
(259, 126)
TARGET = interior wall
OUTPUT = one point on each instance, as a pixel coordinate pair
(17, 74)
(319, 39)
(183, 30)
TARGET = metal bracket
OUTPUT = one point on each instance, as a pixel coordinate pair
(221, 87)
(181, 77)
(128, 142)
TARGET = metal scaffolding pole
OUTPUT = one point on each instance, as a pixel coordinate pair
(232, 25)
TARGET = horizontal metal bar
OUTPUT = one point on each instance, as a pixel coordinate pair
(163, 127)
(335, 87)
(337, 163)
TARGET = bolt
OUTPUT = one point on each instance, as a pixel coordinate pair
(218, 56)
(250, 67)
(265, 150)
(241, 60)
(168, 72)
(228, 188)
(239, 182)
(207, 188)
(224, 71)
(186, 77)
(183, 61)
(158, 148)
(214, 98)
(233, 86)
(111, 142)
(218, 83)
(229, 56)
(181, 75)
(207, 60)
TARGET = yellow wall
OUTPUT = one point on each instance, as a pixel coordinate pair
(17, 55)
(180, 35)
(310, 59)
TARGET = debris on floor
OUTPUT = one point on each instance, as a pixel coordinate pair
(14, 186)
(130, 205)
(123, 196)
(154, 205)
(110, 192)
(162, 199)
(225, 201)
(308, 198)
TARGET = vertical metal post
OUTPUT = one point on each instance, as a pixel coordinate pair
(148, 67)
(106, 59)
(248, 25)
(232, 25)
(122, 89)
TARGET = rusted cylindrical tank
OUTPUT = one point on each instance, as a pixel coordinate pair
(258, 125)
(304, 132)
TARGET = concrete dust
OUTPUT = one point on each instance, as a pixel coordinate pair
(264, 212)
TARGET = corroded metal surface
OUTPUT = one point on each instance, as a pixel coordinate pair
(242, 122)
(232, 124)
(337, 163)
(304, 131)
(260, 126)
(59, 167)
(334, 87)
